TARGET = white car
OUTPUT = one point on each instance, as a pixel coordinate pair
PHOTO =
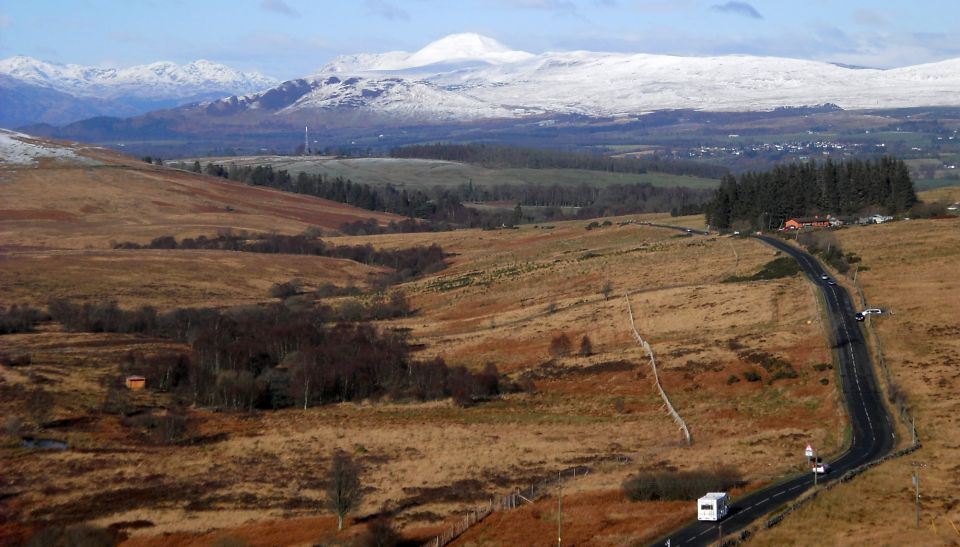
(824, 276)
(872, 311)
(821, 468)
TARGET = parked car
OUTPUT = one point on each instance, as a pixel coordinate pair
(859, 316)
(872, 311)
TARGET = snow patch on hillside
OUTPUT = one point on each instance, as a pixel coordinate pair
(18, 149)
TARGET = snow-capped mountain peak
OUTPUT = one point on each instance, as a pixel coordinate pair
(454, 49)
(159, 79)
(465, 47)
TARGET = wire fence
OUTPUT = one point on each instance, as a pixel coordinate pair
(895, 394)
(656, 376)
(507, 502)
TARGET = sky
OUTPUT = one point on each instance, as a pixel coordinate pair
(293, 38)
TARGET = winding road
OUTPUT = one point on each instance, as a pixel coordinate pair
(872, 433)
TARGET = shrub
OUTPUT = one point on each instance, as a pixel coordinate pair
(619, 405)
(682, 485)
(15, 359)
(820, 367)
(75, 535)
(751, 376)
(20, 319)
(286, 289)
(586, 346)
(381, 533)
(12, 425)
(732, 379)
(560, 346)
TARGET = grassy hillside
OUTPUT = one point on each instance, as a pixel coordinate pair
(505, 299)
(428, 173)
(104, 196)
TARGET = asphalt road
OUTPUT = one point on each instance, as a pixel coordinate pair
(872, 429)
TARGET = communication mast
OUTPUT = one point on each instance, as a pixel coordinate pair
(306, 141)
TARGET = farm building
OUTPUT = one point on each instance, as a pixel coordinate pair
(806, 222)
(136, 382)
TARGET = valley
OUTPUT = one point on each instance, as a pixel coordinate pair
(357, 275)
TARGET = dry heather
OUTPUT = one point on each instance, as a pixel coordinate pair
(74, 207)
(505, 296)
(950, 194)
(911, 271)
(164, 278)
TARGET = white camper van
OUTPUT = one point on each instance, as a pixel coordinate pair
(713, 506)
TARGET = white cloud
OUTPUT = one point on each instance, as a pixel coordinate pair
(387, 10)
(738, 8)
(279, 6)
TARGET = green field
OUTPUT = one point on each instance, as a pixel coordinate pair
(415, 173)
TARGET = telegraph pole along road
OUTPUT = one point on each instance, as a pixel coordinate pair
(872, 429)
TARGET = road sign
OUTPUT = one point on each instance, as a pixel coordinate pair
(808, 452)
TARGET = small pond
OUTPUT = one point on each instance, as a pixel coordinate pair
(44, 444)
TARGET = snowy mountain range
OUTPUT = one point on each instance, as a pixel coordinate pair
(468, 77)
(56, 93)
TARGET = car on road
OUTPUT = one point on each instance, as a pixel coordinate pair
(860, 316)
(821, 468)
(824, 276)
(831, 282)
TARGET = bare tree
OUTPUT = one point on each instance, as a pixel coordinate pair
(344, 491)
(560, 345)
(607, 290)
(586, 346)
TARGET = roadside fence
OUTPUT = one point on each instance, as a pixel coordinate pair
(506, 502)
(894, 394)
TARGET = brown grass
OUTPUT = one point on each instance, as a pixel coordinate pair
(167, 279)
(912, 273)
(272, 463)
(506, 294)
(125, 200)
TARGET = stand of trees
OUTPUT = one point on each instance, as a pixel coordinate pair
(273, 356)
(20, 319)
(762, 199)
(406, 263)
(444, 209)
(501, 156)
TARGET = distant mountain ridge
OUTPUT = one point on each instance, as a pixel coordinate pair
(474, 82)
(471, 77)
(57, 93)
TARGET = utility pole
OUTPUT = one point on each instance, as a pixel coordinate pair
(559, 510)
(916, 483)
(815, 462)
